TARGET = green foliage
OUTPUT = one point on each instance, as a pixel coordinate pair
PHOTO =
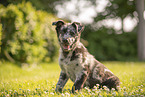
(117, 8)
(113, 46)
(47, 5)
(41, 80)
(27, 34)
(104, 43)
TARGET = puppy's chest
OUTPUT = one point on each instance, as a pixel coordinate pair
(72, 68)
(69, 65)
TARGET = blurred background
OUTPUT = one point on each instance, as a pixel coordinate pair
(114, 29)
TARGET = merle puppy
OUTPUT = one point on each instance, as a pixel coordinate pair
(77, 63)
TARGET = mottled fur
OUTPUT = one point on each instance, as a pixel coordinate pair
(77, 63)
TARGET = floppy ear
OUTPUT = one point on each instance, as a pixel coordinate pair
(58, 23)
(78, 26)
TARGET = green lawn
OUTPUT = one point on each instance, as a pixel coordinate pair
(40, 80)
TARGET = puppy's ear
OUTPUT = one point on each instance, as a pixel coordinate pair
(78, 26)
(58, 23)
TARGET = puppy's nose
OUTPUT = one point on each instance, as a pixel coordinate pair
(65, 40)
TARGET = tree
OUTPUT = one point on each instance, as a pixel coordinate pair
(141, 29)
(30, 38)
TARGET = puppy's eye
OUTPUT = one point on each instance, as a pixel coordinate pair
(63, 30)
(72, 33)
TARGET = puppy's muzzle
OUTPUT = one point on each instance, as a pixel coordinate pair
(65, 41)
(65, 44)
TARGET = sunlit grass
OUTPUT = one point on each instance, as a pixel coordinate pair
(40, 80)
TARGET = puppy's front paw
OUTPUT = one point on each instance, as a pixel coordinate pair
(58, 89)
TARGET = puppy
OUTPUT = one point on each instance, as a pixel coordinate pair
(77, 63)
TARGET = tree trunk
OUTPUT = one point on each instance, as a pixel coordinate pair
(141, 29)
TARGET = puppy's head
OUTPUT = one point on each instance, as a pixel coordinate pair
(68, 34)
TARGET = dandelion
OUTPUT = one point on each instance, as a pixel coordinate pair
(118, 87)
(86, 88)
(46, 92)
(95, 88)
(52, 93)
(104, 87)
(67, 94)
(112, 90)
(89, 90)
(97, 85)
(62, 94)
(28, 90)
(93, 93)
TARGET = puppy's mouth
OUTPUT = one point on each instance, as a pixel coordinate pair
(66, 47)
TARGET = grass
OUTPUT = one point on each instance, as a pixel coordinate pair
(40, 80)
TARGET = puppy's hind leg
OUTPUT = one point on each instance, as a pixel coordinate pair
(111, 82)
